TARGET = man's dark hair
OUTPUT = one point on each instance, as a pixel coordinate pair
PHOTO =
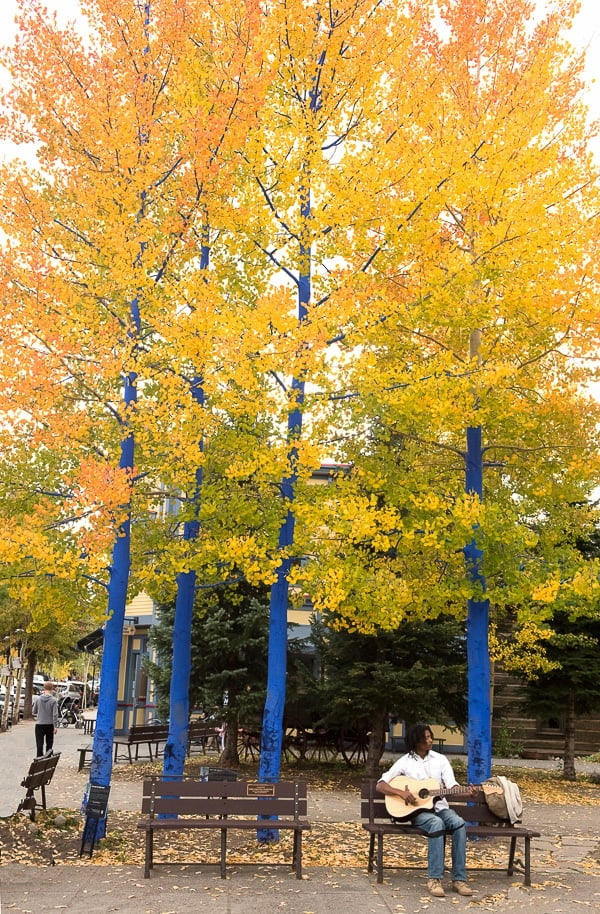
(416, 735)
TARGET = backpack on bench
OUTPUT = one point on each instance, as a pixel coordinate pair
(503, 798)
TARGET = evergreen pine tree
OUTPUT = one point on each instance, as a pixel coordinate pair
(229, 657)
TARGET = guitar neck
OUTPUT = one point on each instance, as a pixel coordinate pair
(450, 791)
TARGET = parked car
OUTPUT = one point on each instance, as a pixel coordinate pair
(36, 690)
(70, 688)
(11, 703)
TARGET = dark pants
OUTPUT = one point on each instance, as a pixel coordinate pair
(44, 731)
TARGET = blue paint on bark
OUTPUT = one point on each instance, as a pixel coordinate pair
(479, 734)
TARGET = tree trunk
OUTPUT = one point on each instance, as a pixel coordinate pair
(230, 756)
(181, 664)
(31, 661)
(102, 751)
(271, 743)
(179, 694)
(7, 709)
(272, 720)
(376, 744)
(479, 732)
(569, 753)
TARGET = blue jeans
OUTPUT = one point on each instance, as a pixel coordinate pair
(438, 825)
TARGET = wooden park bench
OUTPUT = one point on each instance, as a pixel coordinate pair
(84, 751)
(481, 823)
(222, 806)
(202, 735)
(150, 737)
(41, 772)
(89, 720)
(147, 737)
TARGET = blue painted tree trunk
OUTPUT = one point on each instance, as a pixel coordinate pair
(479, 734)
(101, 764)
(179, 700)
(102, 752)
(181, 665)
(272, 723)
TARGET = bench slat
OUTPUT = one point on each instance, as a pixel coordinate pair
(217, 806)
(244, 824)
(142, 733)
(196, 788)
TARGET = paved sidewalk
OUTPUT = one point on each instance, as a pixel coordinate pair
(99, 890)
(17, 750)
(565, 862)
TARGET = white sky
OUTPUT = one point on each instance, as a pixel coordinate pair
(586, 34)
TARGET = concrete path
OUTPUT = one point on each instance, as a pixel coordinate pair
(565, 862)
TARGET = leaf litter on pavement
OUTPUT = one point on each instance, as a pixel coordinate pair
(342, 844)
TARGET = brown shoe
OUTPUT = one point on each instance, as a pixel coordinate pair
(462, 888)
(435, 888)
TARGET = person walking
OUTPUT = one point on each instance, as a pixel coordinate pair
(45, 710)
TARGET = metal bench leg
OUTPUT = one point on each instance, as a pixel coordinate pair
(298, 852)
(371, 852)
(149, 851)
(527, 880)
(379, 857)
(223, 852)
(511, 857)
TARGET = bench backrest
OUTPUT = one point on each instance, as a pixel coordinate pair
(373, 809)
(198, 729)
(372, 805)
(40, 772)
(477, 811)
(232, 799)
(141, 733)
(144, 733)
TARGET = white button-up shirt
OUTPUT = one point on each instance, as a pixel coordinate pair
(434, 766)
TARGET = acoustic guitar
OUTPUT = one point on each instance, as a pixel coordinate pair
(425, 792)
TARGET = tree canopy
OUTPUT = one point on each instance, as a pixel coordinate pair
(429, 166)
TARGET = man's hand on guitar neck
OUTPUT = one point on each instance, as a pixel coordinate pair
(472, 790)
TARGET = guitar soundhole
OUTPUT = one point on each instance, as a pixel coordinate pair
(423, 794)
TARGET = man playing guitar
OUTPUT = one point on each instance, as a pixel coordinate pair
(421, 763)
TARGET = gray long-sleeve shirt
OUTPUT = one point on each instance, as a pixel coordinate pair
(45, 708)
